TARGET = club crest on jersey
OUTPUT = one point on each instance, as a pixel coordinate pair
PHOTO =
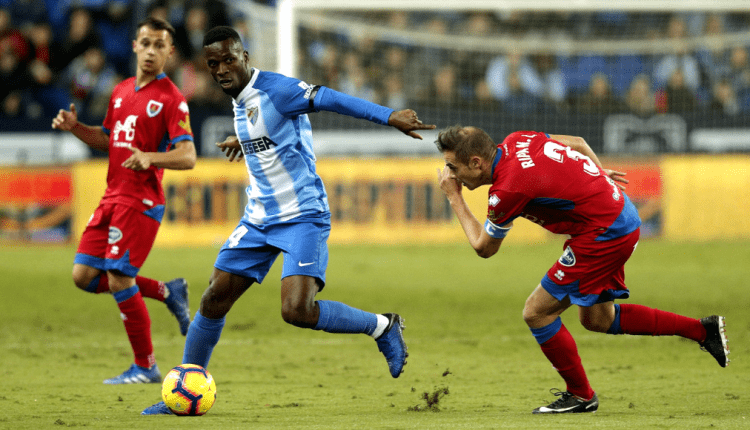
(153, 108)
(115, 234)
(252, 114)
(494, 200)
(568, 259)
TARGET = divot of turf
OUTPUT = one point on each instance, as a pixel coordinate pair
(432, 400)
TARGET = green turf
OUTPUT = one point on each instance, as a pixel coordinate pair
(464, 331)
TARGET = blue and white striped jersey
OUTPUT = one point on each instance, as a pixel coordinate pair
(270, 119)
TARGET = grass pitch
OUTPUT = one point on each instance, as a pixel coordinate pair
(473, 363)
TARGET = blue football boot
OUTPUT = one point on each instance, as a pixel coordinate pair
(391, 344)
(157, 409)
(137, 375)
(177, 302)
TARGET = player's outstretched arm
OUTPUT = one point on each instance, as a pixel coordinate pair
(406, 120)
(93, 136)
(182, 157)
(231, 148)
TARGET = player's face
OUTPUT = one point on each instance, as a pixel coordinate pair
(228, 62)
(470, 175)
(152, 48)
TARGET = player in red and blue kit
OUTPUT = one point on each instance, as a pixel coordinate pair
(558, 183)
(146, 130)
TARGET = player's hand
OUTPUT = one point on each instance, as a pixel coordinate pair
(617, 177)
(450, 185)
(66, 120)
(138, 161)
(406, 120)
(231, 148)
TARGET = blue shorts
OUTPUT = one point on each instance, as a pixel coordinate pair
(251, 249)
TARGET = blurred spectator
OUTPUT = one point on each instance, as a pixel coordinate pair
(541, 78)
(91, 81)
(599, 98)
(639, 99)
(190, 34)
(81, 36)
(14, 53)
(114, 20)
(43, 88)
(354, 80)
(680, 99)
(739, 69)
(713, 56)
(724, 100)
(11, 38)
(545, 79)
(200, 16)
(27, 12)
(681, 58)
(518, 100)
(444, 89)
(394, 96)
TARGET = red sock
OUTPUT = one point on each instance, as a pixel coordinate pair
(150, 288)
(138, 326)
(637, 319)
(561, 351)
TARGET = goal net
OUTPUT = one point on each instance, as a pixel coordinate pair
(631, 77)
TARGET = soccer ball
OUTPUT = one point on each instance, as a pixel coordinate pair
(189, 389)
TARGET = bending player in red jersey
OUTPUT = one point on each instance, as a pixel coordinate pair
(558, 182)
(146, 130)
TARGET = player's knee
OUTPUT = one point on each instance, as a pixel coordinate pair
(594, 324)
(298, 313)
(530, 317)
(81, 280)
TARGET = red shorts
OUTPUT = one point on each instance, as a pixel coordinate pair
(118, 238)
(591, 271)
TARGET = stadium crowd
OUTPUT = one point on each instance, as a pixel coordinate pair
(56, 52)
(713, 76)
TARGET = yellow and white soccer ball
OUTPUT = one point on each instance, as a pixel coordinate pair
(189, 389)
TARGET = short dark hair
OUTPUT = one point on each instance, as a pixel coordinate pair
(465, 142)
(156, 24)
(220, 33)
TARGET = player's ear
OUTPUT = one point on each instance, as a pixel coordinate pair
(134, 45)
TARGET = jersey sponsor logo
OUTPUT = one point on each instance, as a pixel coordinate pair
(568, 259)
(185, 124)
(118, 102)
(115, 234)
(308, 89)
(128, 127)
(153, 108)
(494, 200)
(252, 114)
(259, 144)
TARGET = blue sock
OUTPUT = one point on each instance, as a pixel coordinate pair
(202, 336)
(615, 327)
(543, 334)
(336, 317)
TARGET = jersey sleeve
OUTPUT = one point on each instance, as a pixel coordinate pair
(503, 207)
(290, 96)
(178, 122)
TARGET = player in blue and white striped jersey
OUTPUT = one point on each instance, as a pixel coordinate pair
(287, 210)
